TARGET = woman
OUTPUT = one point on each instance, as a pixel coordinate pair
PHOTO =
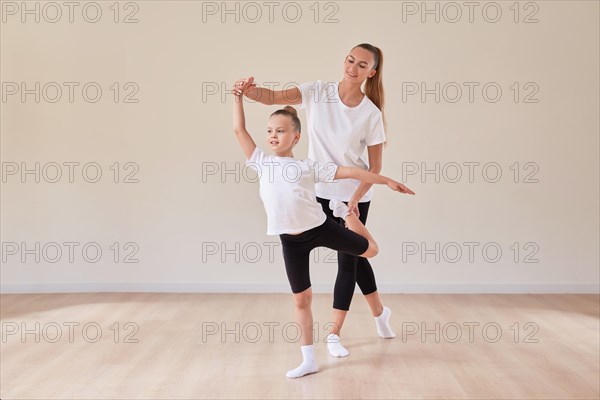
(342, 121)
(294, 214)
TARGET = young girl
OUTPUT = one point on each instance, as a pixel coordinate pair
(287, 188)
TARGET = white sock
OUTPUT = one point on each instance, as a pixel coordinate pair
(383, 324)
(335, 347)
(340, 210)
(308, 366)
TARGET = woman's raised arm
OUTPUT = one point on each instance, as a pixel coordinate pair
(266, 96)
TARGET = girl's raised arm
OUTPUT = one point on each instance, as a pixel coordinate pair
(239, 126)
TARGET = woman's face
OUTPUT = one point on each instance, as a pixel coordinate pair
(281, 134)
(358, 65)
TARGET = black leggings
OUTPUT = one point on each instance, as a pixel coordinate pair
(351, 269)
(297, 248)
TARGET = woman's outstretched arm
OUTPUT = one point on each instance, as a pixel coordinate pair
(369, 177)
(239, 126)
(266, 96)
(375, 155)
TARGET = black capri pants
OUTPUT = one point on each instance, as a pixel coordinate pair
(297, 248)
(351, 269)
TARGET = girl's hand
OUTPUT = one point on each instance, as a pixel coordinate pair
(397, 186)
(237, 88)
(242, 85)
(353, 207)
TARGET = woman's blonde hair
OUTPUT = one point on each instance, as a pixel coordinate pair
(374, 84)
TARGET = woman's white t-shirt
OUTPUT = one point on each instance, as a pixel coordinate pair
(287, 189)
(339, 134)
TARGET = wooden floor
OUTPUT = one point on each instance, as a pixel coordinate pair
(548, 347)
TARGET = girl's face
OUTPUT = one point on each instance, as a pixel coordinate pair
(281, 135)
(358, 65)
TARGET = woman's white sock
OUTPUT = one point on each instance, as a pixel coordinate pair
(335, 347)
(308, 366)
(383, 324)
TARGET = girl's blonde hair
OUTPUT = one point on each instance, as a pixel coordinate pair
(291, 112)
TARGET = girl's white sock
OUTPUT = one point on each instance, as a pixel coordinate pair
(340, 210)
(308, 366)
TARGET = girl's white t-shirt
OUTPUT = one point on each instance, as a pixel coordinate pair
(287, 189)
(339, 134)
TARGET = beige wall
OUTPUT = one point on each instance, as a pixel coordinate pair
(171, 218)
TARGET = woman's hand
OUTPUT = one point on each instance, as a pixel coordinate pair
(353, 207)
(397, 186)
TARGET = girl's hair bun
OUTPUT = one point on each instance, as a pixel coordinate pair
(291, 110)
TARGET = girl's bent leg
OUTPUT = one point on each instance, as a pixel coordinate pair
(340, 210)
(354, 224)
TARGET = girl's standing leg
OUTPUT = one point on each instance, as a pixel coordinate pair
(304, 317)
(296, 252)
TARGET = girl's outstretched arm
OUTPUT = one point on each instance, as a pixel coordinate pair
(239, 127)
(369, 177)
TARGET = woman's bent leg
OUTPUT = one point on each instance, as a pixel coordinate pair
(354, 269)
(337, 237)
(345, 280)
(343, 290)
